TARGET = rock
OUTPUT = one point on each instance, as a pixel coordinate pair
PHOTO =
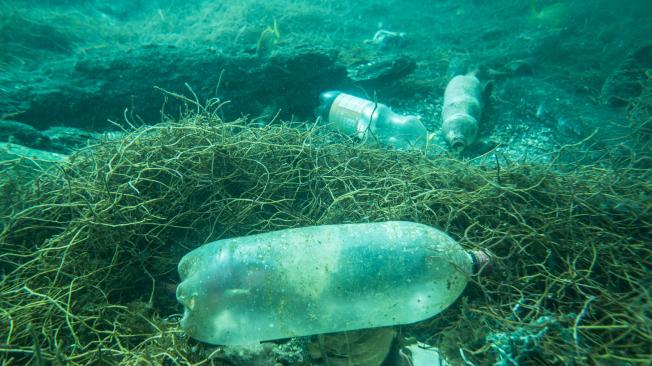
(22, 160)
(58, 139)
(68, 139)
(101, 84)
(628, 80)
(366, 347)
(382, 69)
(22, 134)
(519, 68)
(11, 151)
(264, 354)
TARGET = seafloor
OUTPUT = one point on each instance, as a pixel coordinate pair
(116, 159)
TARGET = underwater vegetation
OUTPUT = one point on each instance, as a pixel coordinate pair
(91, 247)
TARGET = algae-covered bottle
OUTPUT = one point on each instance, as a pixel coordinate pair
(365, 119)
(462, 109)
(319, 279)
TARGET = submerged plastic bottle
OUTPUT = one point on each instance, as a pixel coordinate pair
(366, 119)
(462, 109)
(320, 279)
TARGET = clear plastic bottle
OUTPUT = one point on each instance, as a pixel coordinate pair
(366, 119)
(462, 110)
(319, 279)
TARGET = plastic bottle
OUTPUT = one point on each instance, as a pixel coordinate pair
(462, 110)
(366, 119)
(319, 279)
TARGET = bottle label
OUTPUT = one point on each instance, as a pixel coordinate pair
(351, 115)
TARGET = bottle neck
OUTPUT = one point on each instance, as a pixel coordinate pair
(326, 100)
(482, 262)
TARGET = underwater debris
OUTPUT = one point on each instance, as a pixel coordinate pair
(320, 279)
(387, 39)
(464, 99)
(369, 121)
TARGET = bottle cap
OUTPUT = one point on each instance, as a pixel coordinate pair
(482, 262)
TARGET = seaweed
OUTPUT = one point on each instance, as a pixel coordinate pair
(90, 247)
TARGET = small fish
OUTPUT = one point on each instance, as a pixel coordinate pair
(541, 111)
(554, 15)
(268, 39)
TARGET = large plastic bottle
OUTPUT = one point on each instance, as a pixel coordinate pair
(319, 279)
(367, 119)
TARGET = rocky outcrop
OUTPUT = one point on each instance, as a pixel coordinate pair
(103, 83)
